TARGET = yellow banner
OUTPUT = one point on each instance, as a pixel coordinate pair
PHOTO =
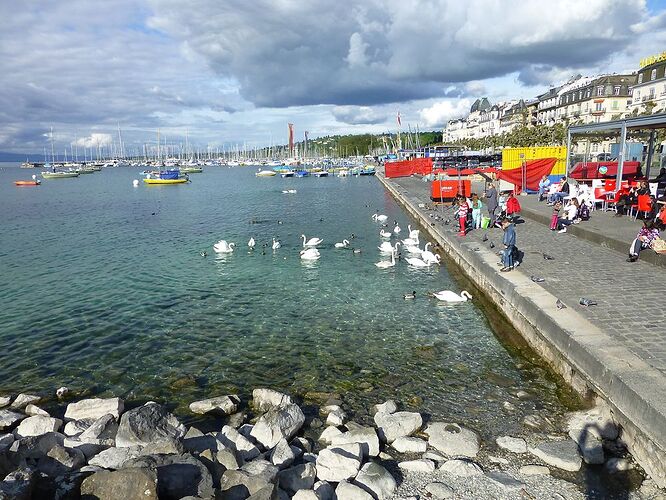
(653, 59)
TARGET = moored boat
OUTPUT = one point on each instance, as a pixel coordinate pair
(321, 173)
(166, 177)
(59, 175)
(265, 173)
(28, 183)
(191, 170)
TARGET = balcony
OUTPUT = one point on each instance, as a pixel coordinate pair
(597, 112)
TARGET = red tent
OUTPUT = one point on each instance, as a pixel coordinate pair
(530, 173)
(603, 169)
(405, 168)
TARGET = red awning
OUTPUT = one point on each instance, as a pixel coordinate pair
(604, 169)
(531, 172)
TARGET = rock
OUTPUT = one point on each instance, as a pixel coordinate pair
(512, 444)
(337, 463)
(523, 395)
(497, 460)
(34, 448)
(8, 418)
(265, 399)
(336, 417)
(505, 481)
(277, 423)
(231, 438)
(303, 443)
(60, 460)
(365, 436)
(409, 445)
(376, 480)
(246, 430)
(391, 426)
(420, 465)
(18, 485)
(561, 454)
(315, 423)
(149, 424)
(591, 447)
(325, 410)
(5, 400)
(239, 485)
(115, 458)
(23, 400)
(62, 392)
(615, 465)
(462, 468)
(282, 455)
(236, 420)
(125, 483)
(77, 427)
(534, 470)
(453, 439)
(537, 423)
(198, 444)
(387, 407)
(222, 405)
(269, 492)
(328, 434)
(348, 491)
(102, 431)
(435, 456)
(305, 495)
(6, 441)
(37, 425)
(94, 408)
(309, 457)
(227, 457)
(33, 410)
(592, 422)
(262, 468)
(439, 491)
(301, 477)
(508, 406)
(88, 449)
(324, 490)
(181, 476)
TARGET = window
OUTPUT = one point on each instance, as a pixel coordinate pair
(616, 90)
(589, 93)
(638, 95)
(580, 94)
(652, 93)
(600, 91)
(640, 77)
(567, 98)
(653, 74)
(595, 147)
(598, 107)
(615, 106)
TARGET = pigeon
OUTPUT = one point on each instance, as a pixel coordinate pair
(587, 302)
(485, 238)
(476, 249)
(560, 304)
(492, 245)
(447, 222)
(203, 254)
(537, 279)
(409, 295)
(548, 257)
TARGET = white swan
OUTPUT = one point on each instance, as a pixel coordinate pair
(428, 256)
(386, 247)
(385, 234)
(396, 229)
(414, 250)
(276, 244)
(310, 254)
(413, 233)
(380, 218)
(449, 296)
(343, 244)
(416, 262)
(223, 247)
(251, 243)
(312, 242)
(411, 241)
(385, 264)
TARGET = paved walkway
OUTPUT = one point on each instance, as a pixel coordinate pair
(631, 296)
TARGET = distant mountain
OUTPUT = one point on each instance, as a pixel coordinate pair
(20, 156)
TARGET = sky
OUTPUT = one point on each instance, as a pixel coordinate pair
(229, 73)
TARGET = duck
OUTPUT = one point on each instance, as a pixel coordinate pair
(449, 296)
(251, 243)
(310, 254)
(276, 244)
(343, 244)
(409, 295)
(379, 218)
(312, 242)
(396, 228)
(416, 262)
(385, 234)
(413, 233)
(203, 253)
(223, 247)
(357, 250)
(386, 247)
(385, 264)
(428, 256)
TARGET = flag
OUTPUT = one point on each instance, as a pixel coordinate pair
(291, 138)
(306, 135)
(398, 118)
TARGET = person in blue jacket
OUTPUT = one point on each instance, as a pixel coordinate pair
(509, 241)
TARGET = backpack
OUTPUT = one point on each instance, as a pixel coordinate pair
(584, 212)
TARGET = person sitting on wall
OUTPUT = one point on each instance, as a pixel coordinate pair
(570, 215)
(644, 239)
(544, 183)
(561, 193)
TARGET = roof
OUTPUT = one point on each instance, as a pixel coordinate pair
(482, 104)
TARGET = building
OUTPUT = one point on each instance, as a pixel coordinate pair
(649, 91)
(595, 100)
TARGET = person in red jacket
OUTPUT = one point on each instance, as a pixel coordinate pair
(512, 206)
(463, 209)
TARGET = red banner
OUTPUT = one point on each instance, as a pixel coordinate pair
(530, 173)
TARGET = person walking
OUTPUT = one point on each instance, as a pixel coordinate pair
(491, 197)
(509, 241)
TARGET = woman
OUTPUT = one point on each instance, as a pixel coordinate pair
(644, 239)
(491, 196)
(570, 214)
(476, 211)
(544, 183)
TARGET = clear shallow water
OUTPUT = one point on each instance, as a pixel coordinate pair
(103, 289)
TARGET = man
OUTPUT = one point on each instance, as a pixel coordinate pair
(509, 241)
(491, 195)
(544, 183)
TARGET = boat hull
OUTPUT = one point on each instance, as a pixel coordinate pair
(164, 181)
(27, 183)
(59, 175)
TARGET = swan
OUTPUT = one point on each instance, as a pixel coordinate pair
(428, 256)
(343, 244)
(223, 247)
(310, 254)
(276, 244)
(385, 264)
(414, 250)
(251, 243)
(380, 218)
(386, 247)
(384, 234)
(411, 242)
(396, 229)
(413, 233)
(312, 242)
(416, 262)
(449, 296)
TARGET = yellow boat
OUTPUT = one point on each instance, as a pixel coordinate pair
(165, 181)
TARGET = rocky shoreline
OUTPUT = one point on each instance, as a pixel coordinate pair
(266, 448)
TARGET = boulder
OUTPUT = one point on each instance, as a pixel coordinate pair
(265, 399)
(5, 400)
(115, 458)
(19, 484)
(324, 490)
(420, 465)
(591, 422)
(9, 418)
(76, 427)
(102, 431)
(336, 417)
(37, 425)
(365, 436)
(35, 447)
(184, 475)
(462, 468)
(376, 480)
(149, 424)
(305, 495)
(60, 460)
(200, 443)
(409, 445)
(231, 438)
(221, 405)
(278, 423)
(388, 407)
(269, 492)
(239, 484)
(33, 410)
(439, 491)
(227, 457)
(338, 463)
(350, 491)
(125, 483)
(453, 440)
(6, 441)
(282, 455)
(328, 434)
(512, 444)
(505, 481)
(391, 426)
(590, 446)
(534, 470)
(561, 454)
(261, 468)
(94, 408)
(301, 477)
(23, 400)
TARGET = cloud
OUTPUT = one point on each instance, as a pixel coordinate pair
(441, 112)
(358, 115)
(94, 140)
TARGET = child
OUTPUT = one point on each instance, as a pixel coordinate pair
(556, 215)
(476, 211)
(463, 210)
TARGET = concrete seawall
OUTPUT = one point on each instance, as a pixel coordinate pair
(585, 356)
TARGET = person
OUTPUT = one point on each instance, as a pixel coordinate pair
(463, 210)
(512, 206)
(476, 211)
(644, 239)
(555, 218)
(509, 241)
(561, 193)
(643, 188)
(491, 196)
(627, 198)
(544, 183)
(570, 215)
(661, 178)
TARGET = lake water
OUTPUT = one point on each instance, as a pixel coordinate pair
(104, 290)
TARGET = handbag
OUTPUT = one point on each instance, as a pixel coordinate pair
(659, 246)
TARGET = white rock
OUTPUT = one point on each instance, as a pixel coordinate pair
(231, 438)
(277, 423)
(348, 491)
(615, 465)
(61, 392)
(505, 481)
(336, 417)
(224, 405)
(9, 418)
(591, 447)
(227, 458)
(94, 408)
(409, 445)
(305, 495)
(76, 427)
(365, 436)
(435, 456)
(37, 425)
(33, 410)
(462, 468)
(303, 443)
(592, 422)
(453, 439)
(376, 480)
(102, 431)
(23, 400)
(391, 426)
(497, 460)
(439, 491)
(561, 454)
(534, 470)
(325, 410)
(115, 458)
(301, 477)
(420, 465)
(328, 434)
(5, 400)
(387, 407)
(339, 462)
(282, 455)
(512, 444)
(265, 399)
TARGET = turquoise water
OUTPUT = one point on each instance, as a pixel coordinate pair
(103, 290)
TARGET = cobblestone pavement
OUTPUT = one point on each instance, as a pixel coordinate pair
(631, 296)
